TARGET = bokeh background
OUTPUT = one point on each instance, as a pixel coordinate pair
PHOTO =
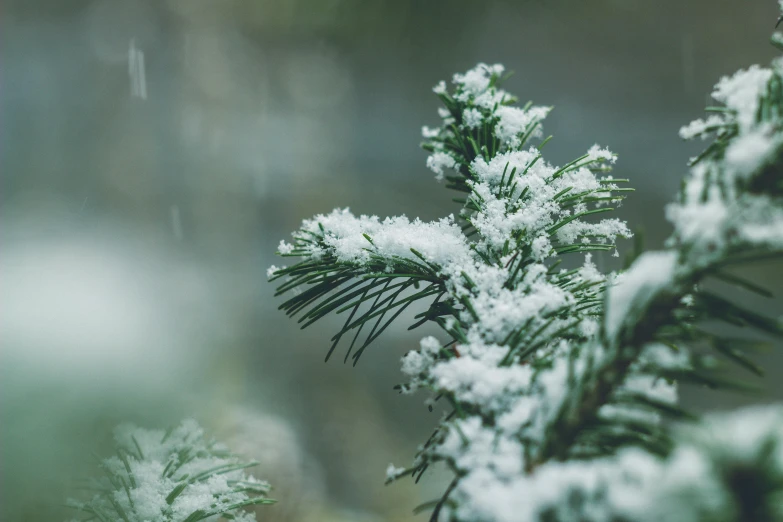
(154, 152)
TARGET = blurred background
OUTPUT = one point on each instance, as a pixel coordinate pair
(154, 152)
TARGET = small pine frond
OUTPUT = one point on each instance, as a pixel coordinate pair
(172, 476)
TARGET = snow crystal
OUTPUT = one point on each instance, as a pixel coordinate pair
(491, 99)
(492, 171)
(514, 121)
(416, 362)
(605, 229)
(542, 247)
(437, 162)
(589, 272)
(476, 80)
(596, 153)
(285, 248)
(472, 118)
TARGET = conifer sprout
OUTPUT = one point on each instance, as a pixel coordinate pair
(562, 383)
(171, 476)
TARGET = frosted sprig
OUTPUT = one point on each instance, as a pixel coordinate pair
(171, 476)
(729, 201)
(556, 381)
(728, 214)
(492, 274)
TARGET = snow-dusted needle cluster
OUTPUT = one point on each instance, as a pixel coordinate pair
(171, 476)
(727, 200)
(716, 472)
(556, 380)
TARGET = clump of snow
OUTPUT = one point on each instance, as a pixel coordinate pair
(641, 385)
(393, 472)
(477, 80)
(427, 132)
(355, 239)
(741, 434)
(486, 449)
(417, 363)
(634, 290)
(438, 162)
(472, 381)
(285, 248)
(521, 160)
(665, 357)
(762, 223)
(542, 247)
(701, 128)
(472, 118)
(697, 222)
(741, 93)
(506, 212)
(752, 150)
(270, 272)
(513, 121)
(597, 153)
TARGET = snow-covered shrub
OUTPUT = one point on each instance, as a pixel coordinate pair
(171, 476)
(562, 382)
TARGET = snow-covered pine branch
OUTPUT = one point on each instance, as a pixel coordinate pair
(520, 214)
(729, 467)
(494, 281)
(171, 476)
(558, 380)
(730, 212)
